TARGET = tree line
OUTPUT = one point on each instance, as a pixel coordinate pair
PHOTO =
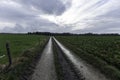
(71, 34)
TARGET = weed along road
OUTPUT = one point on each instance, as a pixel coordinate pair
(59, 63)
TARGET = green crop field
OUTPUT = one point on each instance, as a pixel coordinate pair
(18, 44)
(103, 52)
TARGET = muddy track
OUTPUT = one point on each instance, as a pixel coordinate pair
(68, 72)
(45, 70)
(81, 67)
(59, 63)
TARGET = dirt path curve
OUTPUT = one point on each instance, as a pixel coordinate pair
(45, 69)
(83, 68)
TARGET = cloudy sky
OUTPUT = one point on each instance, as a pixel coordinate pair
(77, 16)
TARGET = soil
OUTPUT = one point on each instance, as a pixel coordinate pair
(45, 70)
(67, 70)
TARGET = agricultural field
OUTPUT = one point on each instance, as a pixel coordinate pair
(103, 52)
(60, 58)
(18, 44)
(25, 50)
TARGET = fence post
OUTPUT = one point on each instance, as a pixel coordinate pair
(9, 54)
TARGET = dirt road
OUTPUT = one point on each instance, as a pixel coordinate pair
(45, 69)
(67, 71)
(88, 72)
(71, 66)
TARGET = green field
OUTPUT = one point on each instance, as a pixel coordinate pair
(24, 51)
(103, 52)
(18, 44)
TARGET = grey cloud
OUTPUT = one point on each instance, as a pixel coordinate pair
(113, 14)
(31, 27)
(8, 13)
(37, 26)
(106, 27)
(47, 6)
(107, 23)
(27, 20)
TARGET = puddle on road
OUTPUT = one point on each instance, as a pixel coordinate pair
(85, 69)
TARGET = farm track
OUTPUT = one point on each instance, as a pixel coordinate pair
(86, 70)
(67, 70)
(45, 70)
(71, 66)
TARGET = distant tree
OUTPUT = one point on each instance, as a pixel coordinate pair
(70, 34)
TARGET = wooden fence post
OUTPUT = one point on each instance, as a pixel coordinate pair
(9, 54)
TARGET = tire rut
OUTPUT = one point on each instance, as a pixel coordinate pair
(88, 71)
(67, 70)
(45, 70)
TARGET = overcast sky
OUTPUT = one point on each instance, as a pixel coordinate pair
(77, 16)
